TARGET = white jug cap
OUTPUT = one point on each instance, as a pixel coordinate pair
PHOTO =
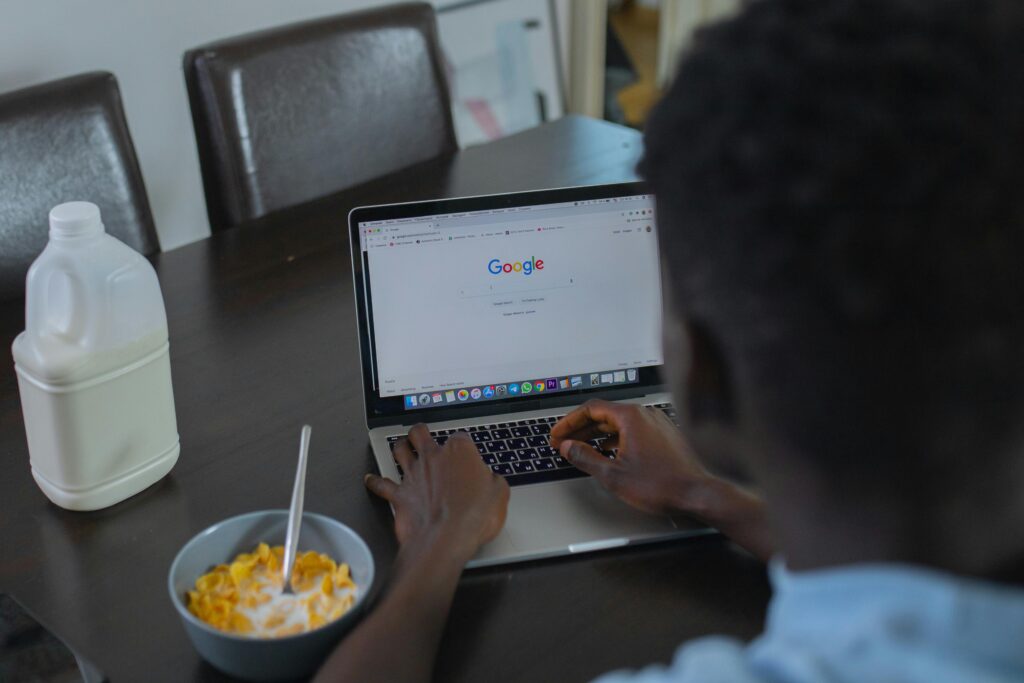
(75, 219)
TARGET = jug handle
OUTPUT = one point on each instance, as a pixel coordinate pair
(75, 331)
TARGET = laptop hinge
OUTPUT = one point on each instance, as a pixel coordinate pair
(491, 408)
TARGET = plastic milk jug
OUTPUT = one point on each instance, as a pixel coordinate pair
(93, 366)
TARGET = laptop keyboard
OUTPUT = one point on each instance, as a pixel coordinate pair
(520, 450)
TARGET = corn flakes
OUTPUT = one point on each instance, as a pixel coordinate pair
(245, 597)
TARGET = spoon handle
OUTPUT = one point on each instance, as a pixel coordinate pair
(291, 542)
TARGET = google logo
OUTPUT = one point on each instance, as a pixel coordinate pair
(496, 267)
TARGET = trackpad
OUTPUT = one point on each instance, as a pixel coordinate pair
(578, 515)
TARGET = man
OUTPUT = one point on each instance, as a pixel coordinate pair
(840, 193)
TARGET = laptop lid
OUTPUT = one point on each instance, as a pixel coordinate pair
(501, 303)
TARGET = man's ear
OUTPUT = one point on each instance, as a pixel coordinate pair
(705, 395)
(695, 365)
(709, 386)
(697, 371)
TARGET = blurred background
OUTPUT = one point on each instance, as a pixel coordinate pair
(512, 64)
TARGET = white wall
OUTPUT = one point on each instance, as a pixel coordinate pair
(676, 27)
(141, 42)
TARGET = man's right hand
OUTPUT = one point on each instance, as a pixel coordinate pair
(656, 470)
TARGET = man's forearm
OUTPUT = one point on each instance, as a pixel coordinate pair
(397, 641)
(736, 512)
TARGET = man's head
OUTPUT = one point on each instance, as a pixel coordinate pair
(840, 191)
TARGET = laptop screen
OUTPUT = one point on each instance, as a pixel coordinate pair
(523, 297)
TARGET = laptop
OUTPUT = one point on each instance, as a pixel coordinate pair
(497, 315)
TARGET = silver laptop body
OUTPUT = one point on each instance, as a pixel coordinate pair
(499, 314)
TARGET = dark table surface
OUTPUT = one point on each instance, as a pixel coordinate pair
(263, 339)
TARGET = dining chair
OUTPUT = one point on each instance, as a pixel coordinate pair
(61, 141)
(291, 114)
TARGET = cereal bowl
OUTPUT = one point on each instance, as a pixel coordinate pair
(268, 659)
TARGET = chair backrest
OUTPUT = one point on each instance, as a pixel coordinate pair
(291, 114)
(61, 141)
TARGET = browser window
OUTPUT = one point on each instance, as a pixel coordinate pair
(554, 296)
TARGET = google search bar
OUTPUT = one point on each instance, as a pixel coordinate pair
(521, 286)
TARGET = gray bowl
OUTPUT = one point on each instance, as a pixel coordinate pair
(268, 659)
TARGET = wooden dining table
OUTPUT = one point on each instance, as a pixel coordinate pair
(263, 339)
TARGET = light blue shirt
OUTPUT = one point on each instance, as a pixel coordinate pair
(865, 624)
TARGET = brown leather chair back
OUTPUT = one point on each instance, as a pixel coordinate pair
(291, 114)
(61, 141)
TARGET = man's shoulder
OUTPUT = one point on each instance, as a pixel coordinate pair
(715, 659)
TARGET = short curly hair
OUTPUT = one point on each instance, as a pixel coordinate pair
(840, 193)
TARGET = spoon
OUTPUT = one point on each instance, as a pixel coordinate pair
(291, 542)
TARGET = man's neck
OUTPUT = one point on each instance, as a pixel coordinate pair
(812, 535)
